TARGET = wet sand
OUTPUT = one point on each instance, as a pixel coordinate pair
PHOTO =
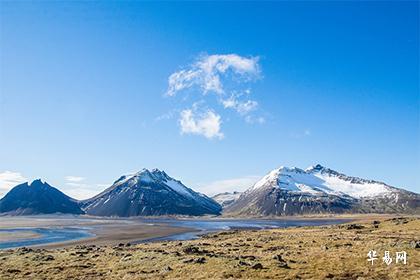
(16, 236)
(107, 231)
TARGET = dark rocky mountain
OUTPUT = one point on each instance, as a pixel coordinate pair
(227, 198)
(37, 198)
(320, 190)
(149, 193)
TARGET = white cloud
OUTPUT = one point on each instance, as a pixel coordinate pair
(207, 72)
(10, 179)
(228, 185)
(242, 107)
(74, 179)
(76, 187)
(81, 192)
(223, 75)
(206, 123)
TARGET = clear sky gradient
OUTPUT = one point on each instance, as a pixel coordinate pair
(82, 91)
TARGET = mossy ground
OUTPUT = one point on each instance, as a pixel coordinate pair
(327, 252)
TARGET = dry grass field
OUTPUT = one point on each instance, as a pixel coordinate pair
(326, 252)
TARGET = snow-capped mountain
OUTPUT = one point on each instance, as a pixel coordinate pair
(148, 193)
(37, 198)
(226, 198)
(317, 189)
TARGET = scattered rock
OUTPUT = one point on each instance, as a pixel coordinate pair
(354, 226)
(252, 258)
(191, 250)
(415, 244)
(257, 266)
(24, 250)
(167, 268)
(281, 262)
(48, 258)
(200, 260)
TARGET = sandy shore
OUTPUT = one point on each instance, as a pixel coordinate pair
(322, 252)
(16, 236)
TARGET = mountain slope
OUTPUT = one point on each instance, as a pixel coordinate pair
(148, 193)
(226, 198)
(37, 198)
(291, 191)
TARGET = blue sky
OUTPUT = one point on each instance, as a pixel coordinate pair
(84, 91)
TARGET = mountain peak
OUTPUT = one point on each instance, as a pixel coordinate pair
(315, 168)
(36, 183)
(37, 197)
(149, 192)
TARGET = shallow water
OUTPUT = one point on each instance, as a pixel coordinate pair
(198, 227)
(201, 227)
(47, 235)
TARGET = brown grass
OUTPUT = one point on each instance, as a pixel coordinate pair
(328, 252)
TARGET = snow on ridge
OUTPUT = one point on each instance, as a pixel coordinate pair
(155, 175)
(178, 187)
(317, 179)
(226, 196)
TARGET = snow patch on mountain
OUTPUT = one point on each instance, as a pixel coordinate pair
(317, 180)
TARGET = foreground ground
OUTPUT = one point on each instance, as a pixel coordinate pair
(328, 252)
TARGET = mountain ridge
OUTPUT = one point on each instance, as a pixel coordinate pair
(149, 193)
(37, 198)
(318, 190)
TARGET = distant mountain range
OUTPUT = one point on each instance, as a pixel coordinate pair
(37, 198)
(283, 191)
(318, 190)
(227, 198)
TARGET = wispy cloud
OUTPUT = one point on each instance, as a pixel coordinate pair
(9, 179)
(243, 107)
(206, 123)
(77, 187)
(208, 70)
(74, 178)
(81, 191)
(228, 185)
(219, 75)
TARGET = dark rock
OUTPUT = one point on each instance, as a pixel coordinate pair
(12, 270)
(249, 257)
(200, 260)
(281, 262)
(191, 250)
(415, 244)
(354, 226)
(257, 266)
(168, 268)
(48, 258)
